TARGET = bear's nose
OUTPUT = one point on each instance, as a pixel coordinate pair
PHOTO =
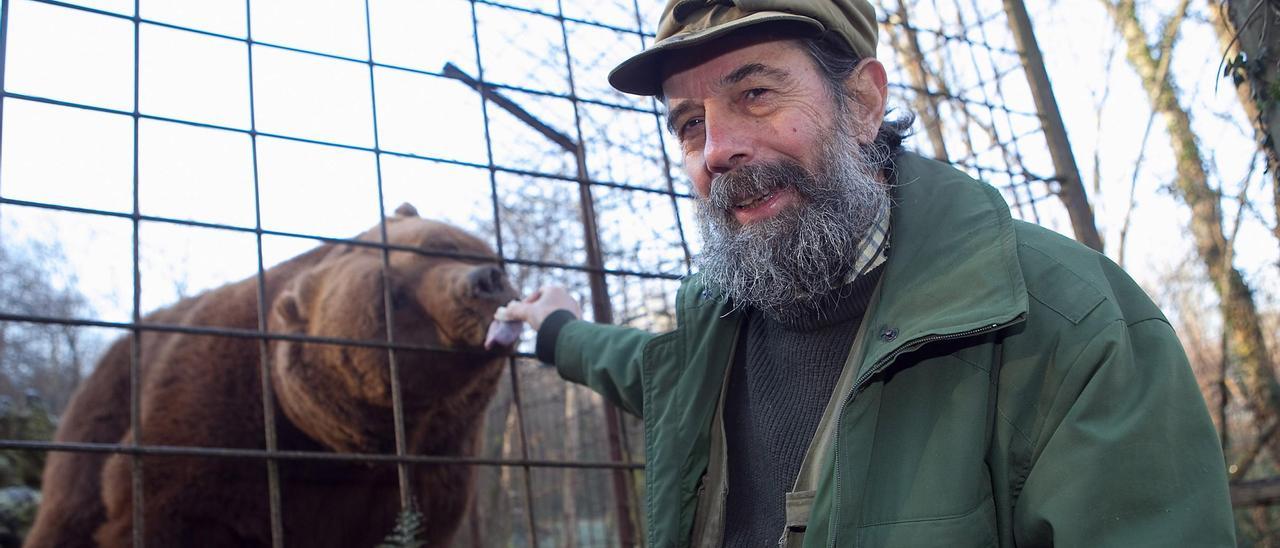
(489, 282)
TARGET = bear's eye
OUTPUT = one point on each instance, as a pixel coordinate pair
(400, 298)
(443, 247)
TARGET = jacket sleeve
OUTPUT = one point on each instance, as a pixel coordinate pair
(1126, 454)
(606, 358)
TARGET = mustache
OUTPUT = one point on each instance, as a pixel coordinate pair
(752, 181)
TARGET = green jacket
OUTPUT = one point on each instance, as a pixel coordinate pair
(1017, 388)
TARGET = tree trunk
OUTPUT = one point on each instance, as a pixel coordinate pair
(1071, 187)
(1248, 348)
(926, 103)
(1250, 34)
(1256, 492)
(571, 447)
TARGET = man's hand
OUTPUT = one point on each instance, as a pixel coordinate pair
(536, 307)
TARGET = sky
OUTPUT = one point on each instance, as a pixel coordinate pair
(436, 129)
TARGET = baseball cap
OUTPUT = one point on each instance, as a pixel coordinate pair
(687, 23)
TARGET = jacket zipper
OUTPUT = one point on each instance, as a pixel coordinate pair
(857, 386)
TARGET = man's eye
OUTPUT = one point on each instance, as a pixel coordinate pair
(690, 125)
(755, 93)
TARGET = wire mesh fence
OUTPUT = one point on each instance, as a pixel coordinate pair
(153, 151)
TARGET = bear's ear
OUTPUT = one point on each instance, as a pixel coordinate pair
(406, 210)
(290, 308)
(288, 312)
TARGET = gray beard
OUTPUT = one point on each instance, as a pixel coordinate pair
(786, 264)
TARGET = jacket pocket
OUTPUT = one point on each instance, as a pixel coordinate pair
(974, 528)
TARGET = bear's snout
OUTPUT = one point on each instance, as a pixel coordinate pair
(488, 282)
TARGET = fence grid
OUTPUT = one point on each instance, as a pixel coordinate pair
(967, 100)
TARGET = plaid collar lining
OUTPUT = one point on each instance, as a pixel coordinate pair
(873, 250)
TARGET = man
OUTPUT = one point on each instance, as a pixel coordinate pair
(873, 353)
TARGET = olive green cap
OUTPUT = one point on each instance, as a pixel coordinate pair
(687, 23)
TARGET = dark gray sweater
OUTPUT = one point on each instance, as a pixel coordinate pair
(783, 375)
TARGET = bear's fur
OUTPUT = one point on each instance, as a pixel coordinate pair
(205, 391)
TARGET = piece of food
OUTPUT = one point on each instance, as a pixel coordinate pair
(503, 333)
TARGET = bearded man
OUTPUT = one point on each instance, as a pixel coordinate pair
(873, 353)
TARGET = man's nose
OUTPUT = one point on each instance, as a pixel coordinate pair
(727, 144)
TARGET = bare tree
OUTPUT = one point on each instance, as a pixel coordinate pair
(41, 358)
(1250, 33)
(1071, 187)
(907, 43)
(1242, 324)
(949, 103)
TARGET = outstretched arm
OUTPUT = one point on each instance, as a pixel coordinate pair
(606, 358)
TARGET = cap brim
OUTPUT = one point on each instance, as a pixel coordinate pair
(642, 73)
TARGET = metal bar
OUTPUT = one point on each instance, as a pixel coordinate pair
(660, 129)
(997, 74)
(511, 170)
(544, 93)
(530, 521)
(4, 56)
(452, 71)
(940, 34)
(342, 57)
(957, 37)
(264, 354)
(526, 471)
(341, 241)
(231, 332)
(224, 452)
(138, 498)
(393, 366)
(499, 244)
(954, 97)
(601, 308)
(1016, 190)
(560, 17)
(1013, 153)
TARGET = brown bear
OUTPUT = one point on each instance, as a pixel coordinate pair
(205, 391)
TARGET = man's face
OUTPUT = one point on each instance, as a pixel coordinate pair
(784, 192)
(755, 104)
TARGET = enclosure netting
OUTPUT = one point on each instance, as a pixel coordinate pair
(153, 150)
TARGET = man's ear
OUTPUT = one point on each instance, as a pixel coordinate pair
(868, 90)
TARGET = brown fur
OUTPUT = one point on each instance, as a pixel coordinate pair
(205, 391)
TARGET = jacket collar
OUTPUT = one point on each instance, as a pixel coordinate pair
(953, 266)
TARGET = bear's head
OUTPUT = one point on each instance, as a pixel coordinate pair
(340, 394)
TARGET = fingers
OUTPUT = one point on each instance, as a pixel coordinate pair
(503, 314)
(513, 311)
(537, 306)
(553, 298)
